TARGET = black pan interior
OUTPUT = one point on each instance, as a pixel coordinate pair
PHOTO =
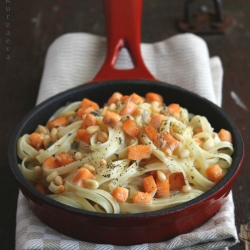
(100, 92)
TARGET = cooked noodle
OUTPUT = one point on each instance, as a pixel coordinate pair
(110, 164)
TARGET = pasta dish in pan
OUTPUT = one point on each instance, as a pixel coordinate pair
(135, 154)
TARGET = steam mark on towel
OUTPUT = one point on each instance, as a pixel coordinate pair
(238, 101)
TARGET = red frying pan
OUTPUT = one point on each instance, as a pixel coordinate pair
(123, 30)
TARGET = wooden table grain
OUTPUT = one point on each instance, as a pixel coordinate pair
(29, 27)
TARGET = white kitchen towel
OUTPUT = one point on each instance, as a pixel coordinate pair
(183, 60)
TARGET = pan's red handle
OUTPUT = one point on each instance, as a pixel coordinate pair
(123, 30)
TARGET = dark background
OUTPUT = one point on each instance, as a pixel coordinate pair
(34, 25)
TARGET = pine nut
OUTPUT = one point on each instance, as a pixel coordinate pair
(38, 172)
(58, 180)
(155, 107)
(53, 135)
(70, 118)
(46, 141)
(112, 106)
(178, 136)
(92, 184)
(139, 111)
(42, 130)
(161, 176)
(92, 129)
(78, 155)
(132, 141)
(180, 146)
(186, 189)
(89, 167)
(168, 152)
(102, 136)
(40, 151)
(60, 189)
(208, 144)
(103, 162)
(59, 128)
(69, 113)
(184, 154)
(52, 176)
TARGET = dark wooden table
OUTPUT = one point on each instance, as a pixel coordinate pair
(29, 27)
